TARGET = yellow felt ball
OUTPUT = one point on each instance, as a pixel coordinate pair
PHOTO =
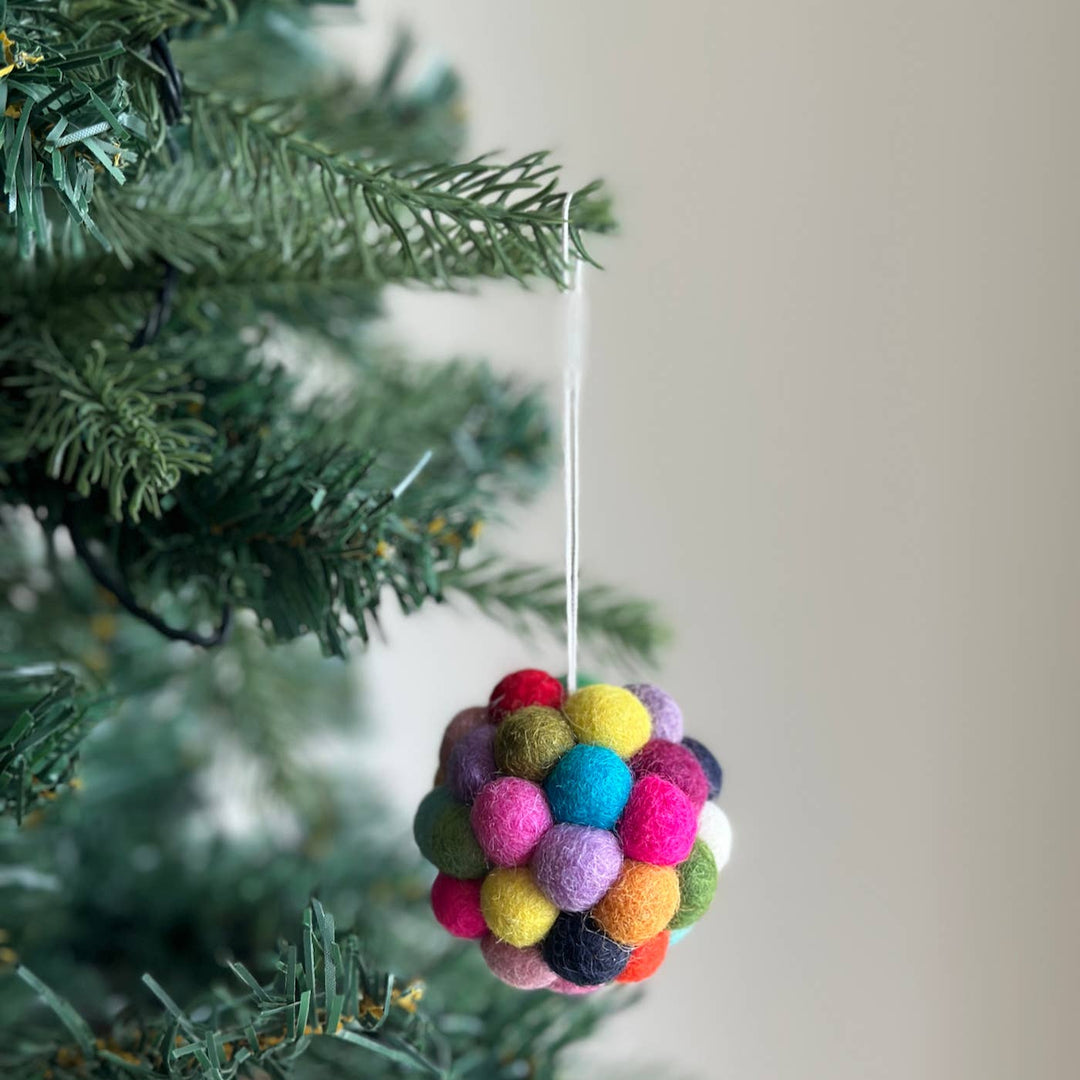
(514, 908)
(608, 716)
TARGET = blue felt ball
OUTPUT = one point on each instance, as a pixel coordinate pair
(675, 936)
(589, 786)
(709, 765)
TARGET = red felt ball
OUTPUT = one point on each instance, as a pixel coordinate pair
(456, 904)
(672, 761)
(658, 824)
(528, 687)
(646, 959)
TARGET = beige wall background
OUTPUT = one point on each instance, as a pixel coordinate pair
(832, 426)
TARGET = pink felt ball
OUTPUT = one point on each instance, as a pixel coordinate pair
(563, 986)
(658, 824)
(509, 816)
(522, 968)
(674, 762)
(464, 722)
(456, 904)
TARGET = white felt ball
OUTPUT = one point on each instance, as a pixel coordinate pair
(715, 829)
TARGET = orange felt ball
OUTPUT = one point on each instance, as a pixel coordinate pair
(640, 903)
(646, 959)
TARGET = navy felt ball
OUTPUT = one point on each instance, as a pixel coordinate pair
(589, 786)
(709, 765)
(577, 950)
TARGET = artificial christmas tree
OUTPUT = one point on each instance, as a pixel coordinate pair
(201, 209)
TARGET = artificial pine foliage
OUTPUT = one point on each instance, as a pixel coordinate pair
(209, 481)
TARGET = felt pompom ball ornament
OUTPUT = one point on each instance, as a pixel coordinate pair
(573, 833)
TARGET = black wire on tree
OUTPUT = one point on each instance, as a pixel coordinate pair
(127, 600)
(172, 103)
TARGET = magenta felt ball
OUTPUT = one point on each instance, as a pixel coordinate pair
(456, 905)
(658, 824)
(472, 763)
(667, 718)
(576, 864)
(465, 721)
(521, 968)
(509, 816)
(673, 762)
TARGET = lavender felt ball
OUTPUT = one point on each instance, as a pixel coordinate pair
(667, 718)
(576, 864)
(472, 763)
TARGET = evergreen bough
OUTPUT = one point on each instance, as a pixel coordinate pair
(210, 478)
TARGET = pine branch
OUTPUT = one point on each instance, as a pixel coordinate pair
(44, 715)
(324, 1001)
(322, 989)
(260, 195)
(104, 420)
(622, 628)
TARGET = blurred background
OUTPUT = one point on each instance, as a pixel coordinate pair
(831, 425)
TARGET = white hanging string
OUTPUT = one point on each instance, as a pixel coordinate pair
(573, 368)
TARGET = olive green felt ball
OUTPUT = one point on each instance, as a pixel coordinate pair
(530, 741)
(454, 849)
(697, 884)
(431, 806)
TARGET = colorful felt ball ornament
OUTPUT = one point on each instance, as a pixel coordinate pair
(456, 905)
(573, 833)
(521, 688)
(530, 741)
(646, 959)
(509, 818)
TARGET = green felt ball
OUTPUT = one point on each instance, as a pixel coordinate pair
(583, 679)
(431, 806)
(454, 849)
(530, 741)
(697, 884)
